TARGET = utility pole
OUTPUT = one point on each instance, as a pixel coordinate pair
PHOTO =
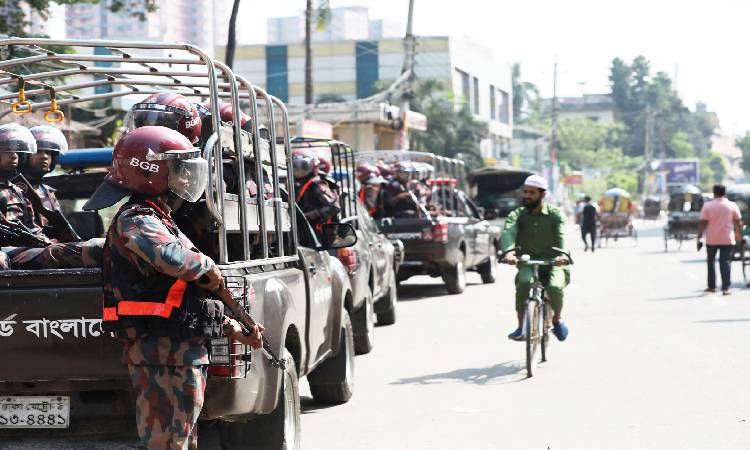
(648, 151)
(553, 133)
(308, 55)
(408, 68)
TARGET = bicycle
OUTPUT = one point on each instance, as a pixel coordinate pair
(535, 328)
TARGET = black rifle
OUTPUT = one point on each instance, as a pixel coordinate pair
(247, 324)
(15, 234)
(63, 230)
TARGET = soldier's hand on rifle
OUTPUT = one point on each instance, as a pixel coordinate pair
(510, 259)
(255, 339)
(212, 280)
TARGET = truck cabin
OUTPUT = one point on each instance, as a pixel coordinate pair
(496, 190)
(245, 218)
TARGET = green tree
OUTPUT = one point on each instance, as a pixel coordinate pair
(585, 144)
(744, 144)
(450, 131)
(14, 23)
(525, 93)
(321, 15)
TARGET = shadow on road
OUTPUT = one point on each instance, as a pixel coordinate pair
(309, 405)
(480, 375)
(695, 295)
(722, 321)
(410, 292)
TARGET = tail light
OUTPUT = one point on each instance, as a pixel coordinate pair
(227, 358)
(348, 258)
(440, 232)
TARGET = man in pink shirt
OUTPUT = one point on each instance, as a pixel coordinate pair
(720, 220)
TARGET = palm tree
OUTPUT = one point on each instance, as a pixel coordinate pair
(524, 92)
(322, 13)
(231, 36)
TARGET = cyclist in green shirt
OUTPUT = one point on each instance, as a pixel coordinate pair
(535, 228)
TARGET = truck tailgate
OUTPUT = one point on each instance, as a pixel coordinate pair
(49, 329)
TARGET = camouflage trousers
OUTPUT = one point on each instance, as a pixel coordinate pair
(168, 402)
(68, 255)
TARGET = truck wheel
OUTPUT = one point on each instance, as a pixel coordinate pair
(488, 271)
(388, 317)
(279, 430)
(455, 278)
(333, 381)
(364, 326)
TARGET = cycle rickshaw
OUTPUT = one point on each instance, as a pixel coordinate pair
(616, 211)
(684, 214)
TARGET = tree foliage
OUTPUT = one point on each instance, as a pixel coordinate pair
(638, 94)
(744, 144)
(451, 132)
(525, 93)
(14, 23)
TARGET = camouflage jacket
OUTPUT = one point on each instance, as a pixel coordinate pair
(49, 200)
(15, 207)
(317, 200)
(145, 241)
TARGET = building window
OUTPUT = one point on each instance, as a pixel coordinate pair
(504, 107)
(277, 75)
(465, 87)
(476, 95)
(367, 68)
(493, 105)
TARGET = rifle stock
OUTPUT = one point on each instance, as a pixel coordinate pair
(247, 323)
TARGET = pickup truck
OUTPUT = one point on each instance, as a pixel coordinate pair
(370, 262)
(447, 245)
(64, 374)
(497, 191)
(446, 235)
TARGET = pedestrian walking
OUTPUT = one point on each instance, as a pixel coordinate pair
(720, 220)
(588, 218)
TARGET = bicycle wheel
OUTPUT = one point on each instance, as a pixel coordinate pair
(546, 326)
(531, 326)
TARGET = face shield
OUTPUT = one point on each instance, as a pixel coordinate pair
(188, 173)
(16, 138)
(303, 166)
(154, 114)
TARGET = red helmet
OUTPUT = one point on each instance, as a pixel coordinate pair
(304, 162)
(385, 170)
(226, 112)
(365, 171)
(169, 110)
(152, 161)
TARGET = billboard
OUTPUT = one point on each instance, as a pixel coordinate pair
(681, 171)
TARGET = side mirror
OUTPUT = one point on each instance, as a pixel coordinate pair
(385, 222)
(337, 235)
(481, 211)
(491, 214)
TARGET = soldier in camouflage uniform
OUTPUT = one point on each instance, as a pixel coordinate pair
(156, 283)
(315, 197)
(50, 144)
(18, 213)
(399, 201)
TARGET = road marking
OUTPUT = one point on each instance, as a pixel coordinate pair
(458, 409)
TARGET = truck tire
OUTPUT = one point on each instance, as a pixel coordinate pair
(388, 317)
(333, 381)
(364, 326)
(488, 270)
(279, 430)
(454, 278)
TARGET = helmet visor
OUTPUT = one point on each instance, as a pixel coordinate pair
(188, 178)
(16, 138)
(154, 114)
(302, 166)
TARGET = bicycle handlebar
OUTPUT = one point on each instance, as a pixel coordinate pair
(537, 262)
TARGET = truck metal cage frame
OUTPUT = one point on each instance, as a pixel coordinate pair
(343, 169)
(445, 168)
(36, 76)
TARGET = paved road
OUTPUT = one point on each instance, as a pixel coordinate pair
(651, 363)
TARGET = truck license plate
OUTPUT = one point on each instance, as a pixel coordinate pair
(34, 412)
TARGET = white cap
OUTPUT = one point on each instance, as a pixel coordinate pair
(536, 181)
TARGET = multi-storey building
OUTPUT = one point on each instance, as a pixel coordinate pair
(345, 23)
(356, 69)
(199, 22)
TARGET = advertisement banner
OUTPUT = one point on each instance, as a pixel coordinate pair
(681, 171)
